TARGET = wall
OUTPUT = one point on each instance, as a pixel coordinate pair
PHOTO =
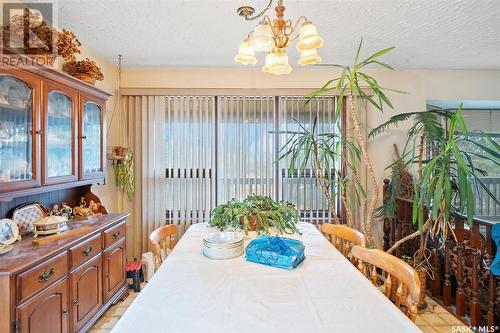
(420, 86)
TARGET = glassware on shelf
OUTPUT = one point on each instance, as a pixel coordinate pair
(16, 125)
(92, 138)
(59, 135)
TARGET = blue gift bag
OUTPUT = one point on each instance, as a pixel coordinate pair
(275, 251)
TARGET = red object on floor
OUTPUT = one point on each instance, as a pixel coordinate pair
(134, 271)
(133, 266)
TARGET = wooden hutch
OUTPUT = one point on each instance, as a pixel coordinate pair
(52, 150)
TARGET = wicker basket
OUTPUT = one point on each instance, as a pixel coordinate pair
(85, 78)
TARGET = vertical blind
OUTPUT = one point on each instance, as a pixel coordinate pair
(224, 147)
(245, 147)
(190, 149)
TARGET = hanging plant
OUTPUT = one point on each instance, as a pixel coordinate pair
(125, 173)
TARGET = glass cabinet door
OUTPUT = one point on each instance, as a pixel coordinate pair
(17, 127)
(92, 140)
(59, 137)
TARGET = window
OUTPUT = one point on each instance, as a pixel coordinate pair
(224, 147)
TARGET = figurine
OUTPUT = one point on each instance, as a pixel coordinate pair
(66, 211)
(55, 211)
(83, 203)
(94, 207)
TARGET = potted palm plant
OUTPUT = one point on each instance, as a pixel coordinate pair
(443, 185)
(256, 213)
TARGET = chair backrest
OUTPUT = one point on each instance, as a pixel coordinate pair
(397, 274)
(159, 242)
(344, 236)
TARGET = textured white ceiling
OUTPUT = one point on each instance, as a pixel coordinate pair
(448, 34)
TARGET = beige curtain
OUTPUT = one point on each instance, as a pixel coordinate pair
(145, 117)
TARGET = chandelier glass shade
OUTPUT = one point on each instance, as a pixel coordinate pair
(263, 37)
(246, 54)
(273, 37)
(277, 62)
(309, 57)
(309, 38)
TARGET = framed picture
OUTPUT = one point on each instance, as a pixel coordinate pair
(9, 231)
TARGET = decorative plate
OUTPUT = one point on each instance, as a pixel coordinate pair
(25, 215)
(9, 232)
(5, 248)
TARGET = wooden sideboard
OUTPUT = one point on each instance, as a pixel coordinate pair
(64, 286)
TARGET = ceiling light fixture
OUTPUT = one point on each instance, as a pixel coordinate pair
(274, 36)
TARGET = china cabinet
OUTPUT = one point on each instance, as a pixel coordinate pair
(59, 135)
(19, 130)
(52, 132)
(91, 128)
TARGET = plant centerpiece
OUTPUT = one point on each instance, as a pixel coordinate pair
(85, 70)
(256, 213)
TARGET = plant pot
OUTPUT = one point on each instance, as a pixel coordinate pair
(85, 78)
(252, 222)
(119, 151)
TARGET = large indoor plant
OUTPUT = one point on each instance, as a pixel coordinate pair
(256, 213)
(444, 182)
(350, 88)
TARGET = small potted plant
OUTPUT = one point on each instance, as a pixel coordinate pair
(85, 70)
(256, 213)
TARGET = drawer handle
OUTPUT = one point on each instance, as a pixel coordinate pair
(87, 251)
(46, 275)
(77, 302)
(116, 234)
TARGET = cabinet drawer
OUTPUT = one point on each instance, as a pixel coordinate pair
(85, 251)
(41, 276)
(114, 234)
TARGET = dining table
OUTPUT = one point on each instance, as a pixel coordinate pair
(325, 293)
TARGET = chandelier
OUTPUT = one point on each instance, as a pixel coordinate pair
(274, 36)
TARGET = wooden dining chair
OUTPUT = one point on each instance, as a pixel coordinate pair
(397, 275)
(161, 248)
(342, 237)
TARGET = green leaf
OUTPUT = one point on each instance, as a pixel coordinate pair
(470, 204)
(378, 54)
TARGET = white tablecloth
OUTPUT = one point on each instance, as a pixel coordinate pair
(191, 293)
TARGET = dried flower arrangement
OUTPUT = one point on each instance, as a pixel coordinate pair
(63, 43)
(68, 45)
(41, 39)
(85, 70)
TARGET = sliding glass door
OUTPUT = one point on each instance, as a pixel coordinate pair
(224, 147)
